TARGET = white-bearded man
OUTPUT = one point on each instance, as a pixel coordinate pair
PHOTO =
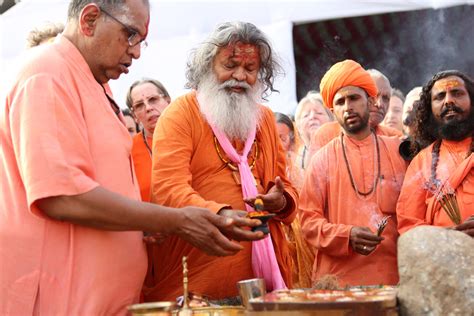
(218, 147)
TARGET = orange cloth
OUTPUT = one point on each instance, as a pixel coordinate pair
(331, 130)
(60, 136)
(142, 163)
(187, 171)
(330, 207)
(301, 253)
(417, 206)
(343, 74)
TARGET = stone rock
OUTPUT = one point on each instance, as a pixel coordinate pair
(436, 267)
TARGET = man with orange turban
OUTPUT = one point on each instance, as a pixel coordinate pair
(352, 185)
(378, 109)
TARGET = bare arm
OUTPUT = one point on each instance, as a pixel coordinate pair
(102, 209)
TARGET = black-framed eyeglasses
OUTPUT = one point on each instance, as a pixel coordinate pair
(134, 37)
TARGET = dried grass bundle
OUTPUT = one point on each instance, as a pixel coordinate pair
(381, 225)
(446, 197)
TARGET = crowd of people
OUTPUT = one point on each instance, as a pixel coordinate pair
(99, 204)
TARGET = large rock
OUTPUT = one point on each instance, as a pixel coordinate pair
(436, 267)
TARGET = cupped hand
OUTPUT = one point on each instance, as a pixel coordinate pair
(363, 240)
(274, 201)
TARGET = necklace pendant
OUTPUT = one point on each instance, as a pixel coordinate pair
(236, 176)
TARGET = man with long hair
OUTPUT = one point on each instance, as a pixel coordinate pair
(218, 147)
(444, 127)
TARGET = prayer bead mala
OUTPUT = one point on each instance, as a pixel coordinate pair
(376, 178)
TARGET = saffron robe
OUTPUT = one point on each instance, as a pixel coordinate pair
(330, 207)
(51, 147)
(188, 171)
(417, 205)
(142, 163)
(331, 130)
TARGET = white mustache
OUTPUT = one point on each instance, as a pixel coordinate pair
(231, 83)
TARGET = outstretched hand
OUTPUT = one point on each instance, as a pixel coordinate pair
(363, 240)
(467, 227)
(274, 201)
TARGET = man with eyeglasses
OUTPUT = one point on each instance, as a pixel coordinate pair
(71, 223)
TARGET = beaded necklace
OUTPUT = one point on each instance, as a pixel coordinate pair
(376, 166)
(235, 169)
(434, 183)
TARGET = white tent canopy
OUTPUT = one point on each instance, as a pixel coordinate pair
(177, 26)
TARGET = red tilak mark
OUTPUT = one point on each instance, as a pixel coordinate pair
(243, 52)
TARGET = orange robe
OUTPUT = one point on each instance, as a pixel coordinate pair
(331, 130)
(60, 136)
(417, 206)
(142, 163)
(330, 207)
(188, 171)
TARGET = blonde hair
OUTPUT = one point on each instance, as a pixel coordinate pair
(311, 97)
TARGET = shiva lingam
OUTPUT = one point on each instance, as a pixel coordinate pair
(262, 215)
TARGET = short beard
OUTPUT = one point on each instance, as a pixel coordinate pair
(235, 114)
(364, 121)
(454, 129)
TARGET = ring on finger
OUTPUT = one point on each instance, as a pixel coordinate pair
(365, 247)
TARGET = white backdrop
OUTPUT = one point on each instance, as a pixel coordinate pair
(176, 26)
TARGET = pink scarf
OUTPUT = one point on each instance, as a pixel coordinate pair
(264, 263)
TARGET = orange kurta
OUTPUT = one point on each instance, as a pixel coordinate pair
(142, 163)
(331, 130)
(329, 208)
(187, 171)
(60, 136)
(417, 206)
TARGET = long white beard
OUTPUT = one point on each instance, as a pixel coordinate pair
(235, 114)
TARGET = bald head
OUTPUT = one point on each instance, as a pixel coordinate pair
(382, 102)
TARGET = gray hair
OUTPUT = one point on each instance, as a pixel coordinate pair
(312, 97)
(75, 6)
(202, 57)
(161, 88)
(377, 73)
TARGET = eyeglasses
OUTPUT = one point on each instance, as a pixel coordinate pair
(133, 35)
(152, 101)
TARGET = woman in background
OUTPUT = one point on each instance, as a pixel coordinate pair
(310, 114)
(146, 99)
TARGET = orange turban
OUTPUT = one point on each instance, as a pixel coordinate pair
(343, 74)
